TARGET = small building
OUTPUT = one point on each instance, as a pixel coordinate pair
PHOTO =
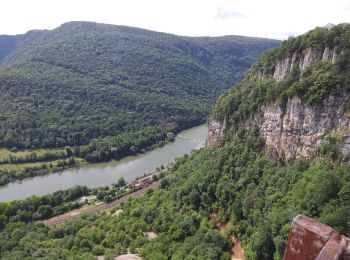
(143, 181)
(87, 199)
(135, 183)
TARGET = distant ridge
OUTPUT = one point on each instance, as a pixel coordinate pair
(85, 81)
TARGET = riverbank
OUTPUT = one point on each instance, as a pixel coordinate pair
(17, 165)
(17, 172)
(20, 164)
(104, 174)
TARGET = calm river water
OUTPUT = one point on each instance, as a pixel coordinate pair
(95, 175)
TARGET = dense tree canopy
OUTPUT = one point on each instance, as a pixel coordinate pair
(236, 183)
(86, 81)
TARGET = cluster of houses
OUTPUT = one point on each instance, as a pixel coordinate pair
(141, 182)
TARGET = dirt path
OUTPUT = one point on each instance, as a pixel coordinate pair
(94, 209)
(236, 248)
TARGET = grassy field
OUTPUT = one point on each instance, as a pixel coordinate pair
(30, 163)
(23, 166)
(5, 153)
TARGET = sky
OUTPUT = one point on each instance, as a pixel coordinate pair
(277, 19)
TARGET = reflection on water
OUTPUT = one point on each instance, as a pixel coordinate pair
(95, 175)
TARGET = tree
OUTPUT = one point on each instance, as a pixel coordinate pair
(69, 151)
(98, 250)
(121, 182)
(164, 183)
(2, 222)
(100, 195)
(107, 199)
(44, 211)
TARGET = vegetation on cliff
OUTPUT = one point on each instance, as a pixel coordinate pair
(236, 183)
(312, 85)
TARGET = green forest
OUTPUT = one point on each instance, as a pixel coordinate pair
(97, 86)
(236, 183)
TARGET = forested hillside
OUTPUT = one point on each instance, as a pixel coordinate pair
(86, 81)
(8, 44)
(237, 184)
(234, 184)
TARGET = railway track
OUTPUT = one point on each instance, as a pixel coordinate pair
(60, 219)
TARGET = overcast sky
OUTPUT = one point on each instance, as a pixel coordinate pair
(262, 18)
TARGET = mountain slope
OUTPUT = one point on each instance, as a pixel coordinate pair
(296, 96)
(85, 80)
(8, 44)
(234, 184)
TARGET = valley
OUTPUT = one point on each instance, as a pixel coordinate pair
(276, 145)
(98, 92)
(110, 91)
(103, 174)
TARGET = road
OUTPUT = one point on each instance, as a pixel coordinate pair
(91, 210)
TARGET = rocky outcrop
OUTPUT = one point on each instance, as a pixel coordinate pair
(312, 55)
(282, 69)
(216, 133)
(297, 131)
(300, 130)
(305, 60)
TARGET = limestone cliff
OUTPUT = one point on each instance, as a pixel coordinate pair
(216, 133)
(296, 128)
(305, 59)
(297, 131)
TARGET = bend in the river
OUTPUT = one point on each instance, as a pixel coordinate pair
(96, 175)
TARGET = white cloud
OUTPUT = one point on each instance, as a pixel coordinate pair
(225, 14)
(268, 18)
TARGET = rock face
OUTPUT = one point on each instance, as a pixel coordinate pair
(301, 129)
(304, 60)
(297, 131)
(282, 68)
(216, 133)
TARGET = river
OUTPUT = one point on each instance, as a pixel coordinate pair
(101, 174)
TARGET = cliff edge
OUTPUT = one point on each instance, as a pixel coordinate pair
(296, 96)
